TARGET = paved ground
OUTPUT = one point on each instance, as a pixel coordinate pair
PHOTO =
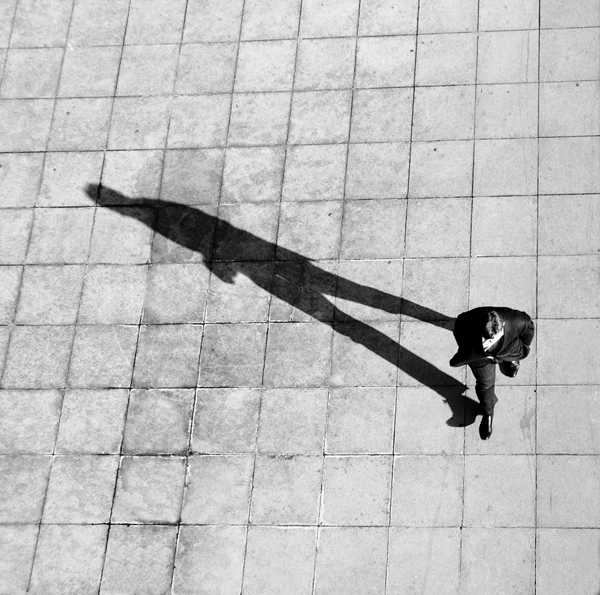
(223, 393)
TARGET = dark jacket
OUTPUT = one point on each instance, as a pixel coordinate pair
(514, 345)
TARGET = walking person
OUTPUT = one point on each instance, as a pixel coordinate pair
(488, 337)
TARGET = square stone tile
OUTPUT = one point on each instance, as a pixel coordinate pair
(505, 167)
(338, 18)
(446, 16)
(226, 420)
(218, 490)
(566, 287)
(507, 57)
(425, 288)
(507, 280)
(15, 226)
(213, 20)
(17, 549)
(232, 355)
(158, 421)
(152, 22)
(567, 109)
(576, 233)
(557, 505)
(385, 61)
(373, 229)
(504, 226)
(325, 64)
(567, 560)
(80, 489)
(50, 294)
(569, 54)
(60, 235)
(199, 121)
(23, 488)
(66, 176)
(386, 17)
(259, 119)
(20, 175)
(351, 560)
(149, 490)
(514, 424)
(95, 24)
(68, 557)
(279, 559)
(320, 117)
(176, 293)
(420, 364)
(31, 73)
(459, 51)
(444, 113)
(568, 418)
(507, 111)
(253, 174)
(244, 300)
(377, 170)
(8, 12)
(365, 354)
(92, 421)
(206, 68)
(580, 13)
(570, 165)
(266, 19)
(360, 421)
(80, 124)
(311, 229)
(499, 491)
(136, 174)
(442, 168)
(25, 124)
(298, 355)
(29, 421)
(286, 490)
(139, 557)
(438, 227)
(89, 71)
(427, 491)
(514, 14)
(139, 123)
(265, 66)
(503, 558)
(315, 172)
(10, 282)
(292, 421)
(356, 490)
(103, 356)
(122, 236)
(167, 356)
(424, 560)
(246, 232)
(113, 294)
(192, 176)
(38, 357)
(42, 24)
(210, 558)
(147, 70)
(381, 115)
(430, 423)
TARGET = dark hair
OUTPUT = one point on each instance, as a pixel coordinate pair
(490, 324)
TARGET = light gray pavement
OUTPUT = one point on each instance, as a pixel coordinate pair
(168, 426)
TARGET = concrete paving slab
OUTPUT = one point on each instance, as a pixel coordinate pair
(20, 178)
(10, 280)
(265, 66)
(31, 73)
(17, 544)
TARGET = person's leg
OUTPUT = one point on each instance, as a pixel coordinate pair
(485, 379)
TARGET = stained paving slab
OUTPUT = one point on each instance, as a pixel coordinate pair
(234, 235)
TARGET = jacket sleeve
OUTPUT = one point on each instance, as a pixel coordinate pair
(527, 333)
(461, 331)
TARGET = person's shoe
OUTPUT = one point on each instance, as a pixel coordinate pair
(485, 427)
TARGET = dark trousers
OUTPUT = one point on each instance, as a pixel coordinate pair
(484, 371)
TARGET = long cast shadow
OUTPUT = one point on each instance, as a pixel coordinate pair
(228, 250)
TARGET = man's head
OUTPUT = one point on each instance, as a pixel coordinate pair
(490, 324)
